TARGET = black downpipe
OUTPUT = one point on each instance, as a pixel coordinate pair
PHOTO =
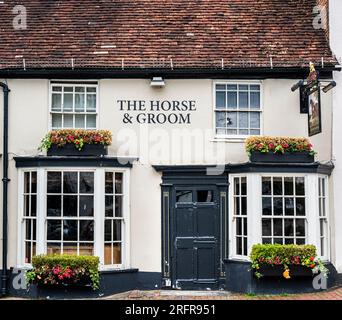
(5, 180)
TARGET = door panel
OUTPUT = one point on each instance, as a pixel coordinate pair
(195, 237)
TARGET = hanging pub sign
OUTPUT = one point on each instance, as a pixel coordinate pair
(310, 102)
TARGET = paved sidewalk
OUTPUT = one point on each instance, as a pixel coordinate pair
(333, 294)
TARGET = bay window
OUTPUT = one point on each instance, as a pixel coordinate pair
(278, 209)
(75, 211)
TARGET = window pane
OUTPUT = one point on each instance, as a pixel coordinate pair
(278, 227)
(54, 206)
(70, 230)
(266, 240)
(53, 248)
(267, 206)
(70, 206)
(236, 186)
(86, 249)
(80, 121)
(289, 206)
(243, 205)
(243, 186)
(56, 121)
(289, 228)
(91, 102)
(68, 102)
(56, 89)
(109, 182)
(300, 241)
(54, 230)
(231, 120)
(117, 230)
(204, 196)
(118, 206)
(28, 231)
(56, 103)
(91, 89)
(239, 245)
(278, 206)
(221, 99)
(277, 186)
(243, 87)
(255, 100)
(118, 182)
(68, 89)
(254, 132)
(300, 189)
(237, 206)
(33, 182)
(33, 206)
(69, 248)
(91, 121)
(221, 87)
(232, 87)
(255, 87)
(300, 206)
(239, 226)
(54, 182)
(27, 182)
(87, 230)
(266, 186)
(300, 227)
(243, 100)
(254, 120)
(117, 253)
(68, 121)
(184, 196)
(109, 206)
(70, 182)
(86, 206)
(266, 228)
(288, 183)
(108, 230)
(232, 100)
(243, 119)
(27, 206)
(79, 102)
(86, 182)
(221, 119)
(245, 246)
(245, 230)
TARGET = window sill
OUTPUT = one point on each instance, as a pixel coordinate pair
(237, 139)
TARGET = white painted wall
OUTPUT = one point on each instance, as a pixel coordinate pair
(335, 17)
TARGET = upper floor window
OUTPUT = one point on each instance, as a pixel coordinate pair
(73, 106)
(237, 109)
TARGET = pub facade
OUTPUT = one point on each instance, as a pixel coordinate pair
(176, 202)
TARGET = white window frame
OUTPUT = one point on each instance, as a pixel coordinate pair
(73, 83)
(237, 138)
(99, 214)
(326, 256)
(254, 210)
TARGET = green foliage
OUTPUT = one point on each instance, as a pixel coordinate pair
(285, 255)
(64, 269)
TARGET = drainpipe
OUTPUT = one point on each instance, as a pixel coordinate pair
(5, 180)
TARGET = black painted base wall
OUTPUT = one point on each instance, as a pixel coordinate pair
(240, 278)
(112, 282)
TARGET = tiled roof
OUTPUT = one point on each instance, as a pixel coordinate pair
(163, 33)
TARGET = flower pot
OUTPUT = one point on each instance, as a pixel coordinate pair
(277, 271)
(287, 157)
(70, 150)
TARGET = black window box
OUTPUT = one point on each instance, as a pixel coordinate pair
(70, 150)
(287, 157)
(278, 270)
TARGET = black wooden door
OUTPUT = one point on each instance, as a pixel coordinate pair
(195, 233)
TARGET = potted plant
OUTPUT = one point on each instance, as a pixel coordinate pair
(276, 260)
(76, 142)
(64, 271)
(279, 149)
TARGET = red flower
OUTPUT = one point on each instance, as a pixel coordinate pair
(312, 258)
(312, 266)
(271, 146)
(60, 277)
(285, 145)
(77, 142)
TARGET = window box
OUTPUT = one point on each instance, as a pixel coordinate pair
(71, 150)
(287, 157)
(278, 270)
(76, 142)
